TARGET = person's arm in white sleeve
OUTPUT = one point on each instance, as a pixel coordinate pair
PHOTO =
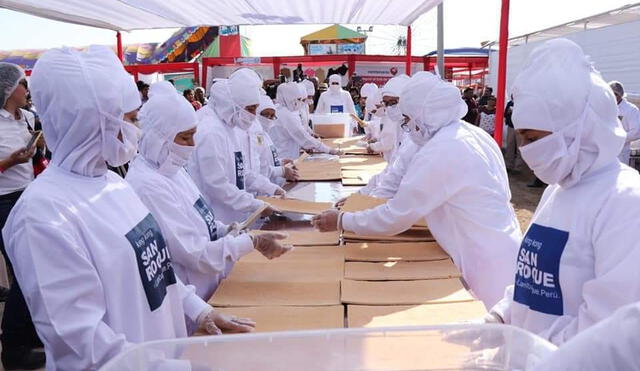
(426, 186)
(192, 304)
(616, 242)
(390, 180)
(217, 186)
(302, 138)
(387, 139)
(190, 247)
(322, 104)
(634, 122)
(350, 107)
(64, 293)
(259, 184)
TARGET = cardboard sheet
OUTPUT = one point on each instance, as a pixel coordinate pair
(291, 205)
(412, 235)
(349, 146)
(302, 157)
(399, 271)
(390, 252)
(274, 271)
(308, 238)
(404, 292)
(319, 170)
(418, 315)
(301, 254)
(360, 202)
(251, 294)
(284, 318)
(347, 161)
(329, 130)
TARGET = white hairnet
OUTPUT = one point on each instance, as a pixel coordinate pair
(431, 103)
(335, 78)
(130, 95)
(10, 76)
(302, 91)
(165, 114)
(287, 94)
(395, 85)
(265, 103)
(245, 85)
(558, 90)
(308, 85)
(222, 104)
(80, 101)
(369, 89)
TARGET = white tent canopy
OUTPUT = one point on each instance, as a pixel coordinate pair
(127, 15)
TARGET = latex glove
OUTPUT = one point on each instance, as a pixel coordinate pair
(215, 323)
(327, 221)
(233, 229)
(492, 317)
(279, 192)
(334, 151)
(340, 202)
(270, 210)
(291, 173)
(286, 161)
(269, 245)
(370, 150)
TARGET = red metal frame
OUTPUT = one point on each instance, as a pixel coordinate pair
(147, 69)
(502, 70)
(119, 46)
(408, 65)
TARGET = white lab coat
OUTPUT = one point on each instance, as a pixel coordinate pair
(94, 269)
(217, 168)
(389, 139)
(340, 102)
(201, 253)
(584, 243)
(458, 183)
(611, 344)
(305, 116)
(631, 124)
(389, 180)
(257, 183)
(270, 161)
(289, 136)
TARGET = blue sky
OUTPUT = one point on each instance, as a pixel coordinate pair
(467, 23)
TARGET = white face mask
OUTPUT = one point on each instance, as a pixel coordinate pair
(548, 159)
(178, 157)
(419, 137)
(116, 152)
(267, 123)
(243, 119)
(334, 88)
(394, 113)
(380, 112)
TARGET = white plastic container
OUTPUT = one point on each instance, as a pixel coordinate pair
(450, 347)
(332, 119)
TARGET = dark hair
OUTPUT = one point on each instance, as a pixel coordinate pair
(141, 85)
(467, 89)
(492, 98)
(187, 91)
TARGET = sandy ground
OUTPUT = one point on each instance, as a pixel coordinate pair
(523, 198)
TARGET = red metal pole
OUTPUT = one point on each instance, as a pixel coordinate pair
(408, 66)
(351, 61)
(119, 46)
(205, 68)
(502, 70)
(276, 67)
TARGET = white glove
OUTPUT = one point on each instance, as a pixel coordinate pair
(268, 244)
(214, 323)
(279, 192)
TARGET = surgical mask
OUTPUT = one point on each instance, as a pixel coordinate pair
(296, 105)
(267, 123)
(118, 152)
(178, 157)
(243, 119)
(548, 159)
(380, 112)
(334, 88)
(419, 137)
(394, 113)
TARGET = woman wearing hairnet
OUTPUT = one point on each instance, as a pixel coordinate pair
(457, 182)
(89, 256)
(389, 139)
(218, 164)
(335, 100)
(307, 91)
(16, 172)
(202, 251)
(373, 101)
(288, 134)
(577, 262)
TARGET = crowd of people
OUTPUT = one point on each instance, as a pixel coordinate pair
(102, 260)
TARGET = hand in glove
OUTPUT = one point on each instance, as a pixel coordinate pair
(327, 221)
(336, 152)
(270, 210)
(269, 245)
(215, 323)
(340, 202)
(291, 173)
(279, 192)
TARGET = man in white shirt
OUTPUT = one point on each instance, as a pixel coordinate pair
(335, 100)
(629, 115)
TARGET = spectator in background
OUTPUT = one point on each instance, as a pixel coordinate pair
(472, 106)
(190, 96)
(484, 99)
(512, 157)
(200, 95)
(298, 74)
(143, 88)
(629, 116)
(487, 116)
(360, 107)
(16, 173)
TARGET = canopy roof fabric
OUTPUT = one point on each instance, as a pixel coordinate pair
(125, 15)
(335, 32)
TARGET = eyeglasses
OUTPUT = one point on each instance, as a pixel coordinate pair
(390, 103)
(405, 125)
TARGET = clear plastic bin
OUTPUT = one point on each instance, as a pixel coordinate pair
(449, 347)
(333, 119)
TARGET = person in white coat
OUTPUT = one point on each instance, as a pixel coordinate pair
(278, 169)
(89, 256)
(611, 344)
(335, 100)
(217, 165)
(307, 92)
(577, 262)
(373, 101)
(287, 133)
(203, 251)
(629, 116)
(457, 182)
(391, 118)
